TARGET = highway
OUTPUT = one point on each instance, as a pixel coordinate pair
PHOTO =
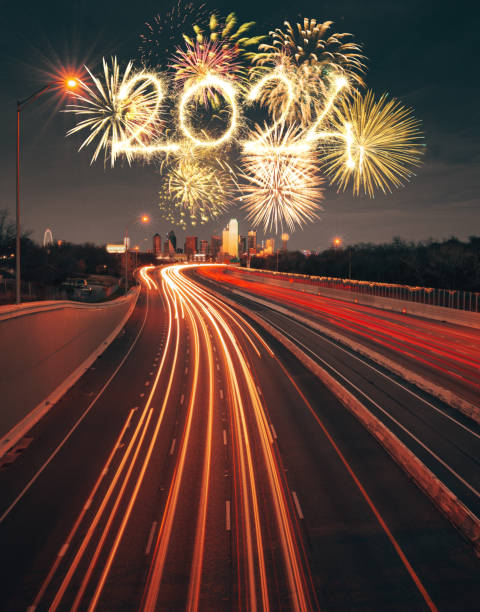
(198, 465)
(446, 441)
(446, 354)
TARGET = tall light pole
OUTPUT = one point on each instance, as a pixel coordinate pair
(143, 219)
(70, 84)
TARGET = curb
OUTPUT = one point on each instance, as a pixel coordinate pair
(18, 431)
(445, 500)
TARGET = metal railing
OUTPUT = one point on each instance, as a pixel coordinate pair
(447, 298)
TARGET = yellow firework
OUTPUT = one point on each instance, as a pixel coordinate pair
(310, 56)
(120, 113)
(280, 184)
(375, 144)
(194, 190)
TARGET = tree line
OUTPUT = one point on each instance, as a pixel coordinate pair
(52, 264)
(448, 264)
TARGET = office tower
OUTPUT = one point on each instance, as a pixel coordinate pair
(252, 241)
(230, 235)
(173, 239)
(204, 247)
(243, 245)
(215, 246)
(157, 244)
(191, 246)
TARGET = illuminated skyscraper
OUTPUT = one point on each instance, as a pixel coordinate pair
(230, 239)
(252, 241)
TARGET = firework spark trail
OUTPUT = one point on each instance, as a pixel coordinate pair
(281, 186)
(121, 109)
(385, 144)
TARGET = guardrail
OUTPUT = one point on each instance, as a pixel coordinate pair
(447, 298)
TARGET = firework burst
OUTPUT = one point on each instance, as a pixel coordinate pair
(165, 32)
(309, 56)
(226, 32)
(195, 190)
(202, 60)
(122, 108)
(310, 43)
(384, 141)
(281, 184)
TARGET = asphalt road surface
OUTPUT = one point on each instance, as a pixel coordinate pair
(198, 465)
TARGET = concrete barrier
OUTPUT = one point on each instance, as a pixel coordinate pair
(427, 311)
(447, 502)
(44, 349)
(443, 394)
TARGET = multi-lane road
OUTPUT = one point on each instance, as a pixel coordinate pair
(199, 465)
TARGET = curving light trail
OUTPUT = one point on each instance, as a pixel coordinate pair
(82, 568)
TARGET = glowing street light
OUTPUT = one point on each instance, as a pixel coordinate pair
(143, 219)
(69, 84)
(337, 242)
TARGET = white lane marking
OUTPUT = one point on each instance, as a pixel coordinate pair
(359, 358)
(259, 390)
(297, 505)
(214, 348)
(218, 367)
(188, 351)
(227, 515)
(150, 538)
(88, 504)
(172, 448)
(385, 412)
(150, 374)
(147, 383)
(182, 397)
(273, 431)
(224, 437)
(186, 370)
(221, 393)
(142, 394)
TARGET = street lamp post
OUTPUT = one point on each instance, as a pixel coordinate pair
(21, 104)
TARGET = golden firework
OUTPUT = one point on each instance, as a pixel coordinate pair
(281, 183)
(121, 112)
(195, 189)
(374, 144)
(310, 56)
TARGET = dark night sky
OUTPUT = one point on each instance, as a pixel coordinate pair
(424, 53)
